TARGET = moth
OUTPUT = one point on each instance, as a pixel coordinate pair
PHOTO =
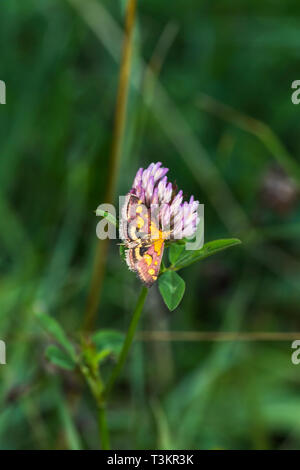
(144, 242)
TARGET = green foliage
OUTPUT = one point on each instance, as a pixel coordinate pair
(176, 251)
(181, 258)
(107, 342)
(58, 357)
(171, 287)
(54, 329)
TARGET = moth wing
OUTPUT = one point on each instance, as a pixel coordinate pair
(129, 201)
(135, 220)
(130, 258)
(148, 265)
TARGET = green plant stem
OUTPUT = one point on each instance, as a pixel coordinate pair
(128, 341)
(103, 429)
(114, 163)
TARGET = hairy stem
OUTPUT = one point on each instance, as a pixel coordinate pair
(114, 163)
(128, 341)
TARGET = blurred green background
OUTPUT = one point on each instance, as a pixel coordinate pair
(60, 61)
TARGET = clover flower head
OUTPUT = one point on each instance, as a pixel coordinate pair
(152, 187)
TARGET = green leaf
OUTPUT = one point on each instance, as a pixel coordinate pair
(58, 357)
(175, 252)
(108, 342)
(171, 287)
(55, 330)
(107, 215)
(102, 355)
(188, 257)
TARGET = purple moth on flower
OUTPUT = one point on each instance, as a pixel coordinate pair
(154, 212)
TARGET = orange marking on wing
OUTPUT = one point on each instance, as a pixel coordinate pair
(148, 259)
